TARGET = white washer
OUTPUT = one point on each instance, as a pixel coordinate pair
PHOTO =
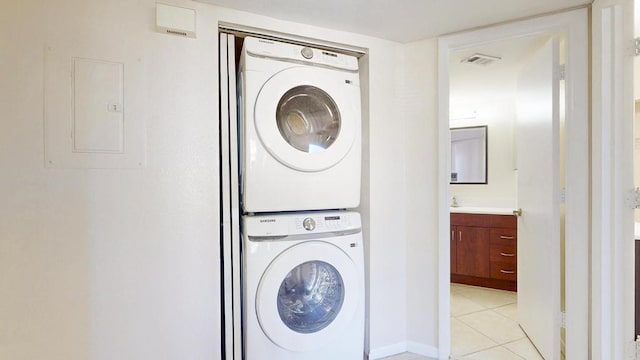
(303, 286)
(300, 128)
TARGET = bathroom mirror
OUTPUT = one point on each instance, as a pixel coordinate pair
(469, 155)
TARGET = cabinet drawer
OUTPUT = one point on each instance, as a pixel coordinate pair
(504, 234)
(484, 220)
(504, 270)
(503, 250)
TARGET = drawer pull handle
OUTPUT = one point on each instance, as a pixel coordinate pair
(507, 254)
(507, 271)
(507, 237)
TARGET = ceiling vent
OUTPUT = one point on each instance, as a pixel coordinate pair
(480, 59)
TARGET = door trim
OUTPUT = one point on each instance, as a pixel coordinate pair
(613, 239)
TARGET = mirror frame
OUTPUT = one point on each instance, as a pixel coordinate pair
(486, 154)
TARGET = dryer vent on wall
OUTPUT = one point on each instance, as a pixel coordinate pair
(480, 59)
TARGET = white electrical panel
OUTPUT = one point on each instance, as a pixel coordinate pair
(95, 110)
(98, 115)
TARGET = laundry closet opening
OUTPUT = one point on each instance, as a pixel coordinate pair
(294, 119)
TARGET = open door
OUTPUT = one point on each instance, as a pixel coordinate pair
(538, 146)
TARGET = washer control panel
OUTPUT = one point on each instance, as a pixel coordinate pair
(309, 224)
(326, 222)
(301, 224)
(307, 52)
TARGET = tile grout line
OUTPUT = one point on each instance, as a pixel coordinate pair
(484, 307)
(492, 309)
(495, 310)
(489, 348)
(490, 338)
(481, 334)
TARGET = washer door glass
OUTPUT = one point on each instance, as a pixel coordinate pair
(308, 118)
(310, 297)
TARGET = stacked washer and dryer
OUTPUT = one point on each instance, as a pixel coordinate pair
(302, 251)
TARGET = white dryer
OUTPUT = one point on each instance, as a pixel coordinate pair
(303, 286)
(300, 128)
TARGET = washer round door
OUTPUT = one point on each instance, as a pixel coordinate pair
(307, 296)
(308, 118)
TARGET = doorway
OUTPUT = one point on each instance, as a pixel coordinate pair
(485, 94)
(574, 24)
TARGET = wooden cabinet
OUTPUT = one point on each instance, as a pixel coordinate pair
(484, 250)
(503, 255)
(472, 251)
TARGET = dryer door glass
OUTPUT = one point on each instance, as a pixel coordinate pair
(308, 119)
(310, 297)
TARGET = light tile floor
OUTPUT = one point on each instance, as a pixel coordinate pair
(484, 326)
(407, 356)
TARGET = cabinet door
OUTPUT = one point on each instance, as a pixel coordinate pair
(472, 251)
(452, 247)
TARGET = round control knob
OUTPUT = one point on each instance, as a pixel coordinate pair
(309, 224)
(307, 53)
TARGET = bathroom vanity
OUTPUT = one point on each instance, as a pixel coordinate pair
(484, 247)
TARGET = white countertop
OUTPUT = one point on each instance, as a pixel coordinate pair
(637, 231)
(481, 210)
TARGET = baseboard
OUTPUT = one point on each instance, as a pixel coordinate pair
(422, 349)
(382, 352)
(399, 348)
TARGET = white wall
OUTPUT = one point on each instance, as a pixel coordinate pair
(124, 264)
(636, 91)
(636, 148)
(419, 100)
(499, 115)
(109, 264)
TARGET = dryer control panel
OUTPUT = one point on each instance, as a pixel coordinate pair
(296, 53)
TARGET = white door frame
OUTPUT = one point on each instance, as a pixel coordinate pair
(613, 241)
(575, 25)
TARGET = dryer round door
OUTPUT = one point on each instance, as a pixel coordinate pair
(308, 118)
(308, 296)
